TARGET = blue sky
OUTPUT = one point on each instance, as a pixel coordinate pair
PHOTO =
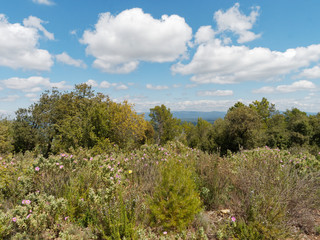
(189, 55)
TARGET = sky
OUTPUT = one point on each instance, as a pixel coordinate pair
(194, 55)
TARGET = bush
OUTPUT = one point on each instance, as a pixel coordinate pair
(175, 201)
(272, 191)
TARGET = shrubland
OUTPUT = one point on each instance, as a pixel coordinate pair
(77, 165)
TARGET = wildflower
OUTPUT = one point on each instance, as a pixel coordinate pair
(19, 178)
(233, 219)
(91, 158)
(57, 164)
(28, 216)
(63, 155)
(66, 218)
(14, 219)
(61, 167)
(130, 171)
(37, 169)
(26, 202)
(165, 233)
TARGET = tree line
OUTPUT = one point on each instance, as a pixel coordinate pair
(62, 121)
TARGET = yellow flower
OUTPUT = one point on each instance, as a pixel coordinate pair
(130, 171)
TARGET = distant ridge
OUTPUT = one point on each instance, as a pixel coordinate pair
(192, 116)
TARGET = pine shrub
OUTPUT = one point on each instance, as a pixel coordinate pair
(175, 201)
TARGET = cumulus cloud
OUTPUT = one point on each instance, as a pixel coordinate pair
(302, 85)
(106, 84)
(32, 84)
(158, 87)
(233, 20)
(120, 42)
(121, 87)
(296, 86)
(204, 34)
(216, 63)
(19, 45)
(66, 59)
(10, 98)
(43, 2)
(34, 22)
(216, 93)
(265, 89)
(92, 83)
(311, 73)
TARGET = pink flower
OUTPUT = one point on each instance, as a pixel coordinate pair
(28, 216)
(37, 169)
(233, 219)
(61, 167)
(66, 218)
(57, 164)
(164, 233)
(14, 219)
(26, 201)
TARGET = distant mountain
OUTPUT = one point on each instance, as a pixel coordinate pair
(192, 116)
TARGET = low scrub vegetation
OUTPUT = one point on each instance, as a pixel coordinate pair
(159, 193)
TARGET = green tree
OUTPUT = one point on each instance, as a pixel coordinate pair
(199, 135)
(277, 132)
(264, 108)
(299, 127)
(242, 129)
(24, 130)
(5, 136)
(80, 118)
(166, 127)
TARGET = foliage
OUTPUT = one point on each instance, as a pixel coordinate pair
(81, 118)
(5, 136)
(166, 127)
(269, 190)
(175, 201)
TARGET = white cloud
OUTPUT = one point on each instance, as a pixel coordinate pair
(158, 87)
(44, 2)
(120, 42)
(302, 85)
(121, 87)
(10, 98)
(32, 84)
(34, 22)
(311, 73)
(240, 24)
(296, 86)
(265, 89)
(92, 83)
(105, 84)
(204, 34)
(19, 46)
(31, 95)
(215, 63)
(66, 59)
(216, 93)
